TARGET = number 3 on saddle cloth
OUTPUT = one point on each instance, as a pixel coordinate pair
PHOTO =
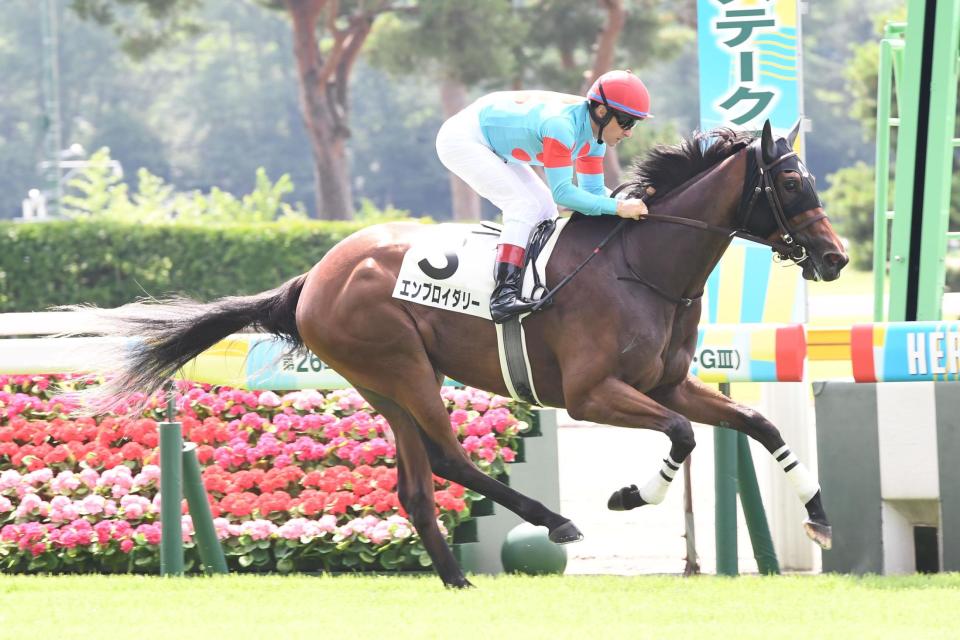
(451, 267)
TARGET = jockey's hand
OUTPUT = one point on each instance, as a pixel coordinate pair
(631, 208)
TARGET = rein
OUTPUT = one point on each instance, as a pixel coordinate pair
(786, 247)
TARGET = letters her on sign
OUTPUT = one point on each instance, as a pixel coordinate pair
(735, 29)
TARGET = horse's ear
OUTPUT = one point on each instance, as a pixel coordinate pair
(792, 136)
(767, 145)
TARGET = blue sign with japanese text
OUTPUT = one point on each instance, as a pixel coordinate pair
(749, 63)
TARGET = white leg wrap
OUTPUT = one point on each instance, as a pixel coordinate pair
(656, 488)
(799, 476)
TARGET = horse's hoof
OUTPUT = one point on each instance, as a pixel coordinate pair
(625, 499)
(822, 534)
(459, 583)
(565, 533)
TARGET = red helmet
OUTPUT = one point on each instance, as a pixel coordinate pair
(623, 91)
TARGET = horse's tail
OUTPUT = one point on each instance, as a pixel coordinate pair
(175, 330)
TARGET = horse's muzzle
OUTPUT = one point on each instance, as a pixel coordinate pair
(826, 266)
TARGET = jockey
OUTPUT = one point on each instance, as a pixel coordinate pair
(492, 143)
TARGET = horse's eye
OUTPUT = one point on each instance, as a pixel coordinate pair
(791, 185)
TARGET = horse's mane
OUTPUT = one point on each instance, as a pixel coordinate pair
(667, 166)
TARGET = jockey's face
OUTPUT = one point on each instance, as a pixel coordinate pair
(614, 132)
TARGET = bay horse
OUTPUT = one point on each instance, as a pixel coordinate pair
(614, 347)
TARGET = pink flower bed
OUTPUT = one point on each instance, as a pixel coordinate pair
(302, 481)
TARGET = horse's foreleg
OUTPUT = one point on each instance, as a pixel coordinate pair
(701, 403)
(415, 488)
(617, 403)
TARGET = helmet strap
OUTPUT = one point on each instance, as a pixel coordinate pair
(603, 121)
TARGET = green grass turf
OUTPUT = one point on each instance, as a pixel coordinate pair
(501, 608)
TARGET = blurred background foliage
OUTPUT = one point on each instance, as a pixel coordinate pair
(199, 102)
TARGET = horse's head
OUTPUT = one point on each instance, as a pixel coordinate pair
(782, 205)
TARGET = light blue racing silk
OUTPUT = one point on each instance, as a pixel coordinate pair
(552, 130)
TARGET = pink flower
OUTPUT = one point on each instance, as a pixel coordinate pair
(186, 526)
(63, 509)
(251, 421)
(258, 529)
(509, 455)
(134, 507)
(5, 505)
(104, 531)
(269, 399)
(150, 473)
(293, 529)
(126, 545)
(28, 504)
(9, 479)
(460, 399)
(151, 532)
(89, 477)
(479, 427)
(119, 476)
(39, 477)
(327, 523)
(283, 422)
(93, 504)
(66, 482)
(471, 443)
(224, 529)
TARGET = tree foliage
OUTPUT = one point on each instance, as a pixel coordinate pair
(142, 26)
(470, 42)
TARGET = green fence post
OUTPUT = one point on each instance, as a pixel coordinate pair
(171, 493)
(881, 207)
(753, 510)
(940, 146)
(211, 552)
(725, 487)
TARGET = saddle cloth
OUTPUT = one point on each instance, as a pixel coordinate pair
(451, 268)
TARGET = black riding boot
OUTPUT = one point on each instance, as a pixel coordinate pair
(506, 301)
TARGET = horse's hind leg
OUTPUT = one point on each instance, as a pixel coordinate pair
(415, 488)
(450, 461)
(701, 403)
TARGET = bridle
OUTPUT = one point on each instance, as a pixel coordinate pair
(786, 248)
(761, 181)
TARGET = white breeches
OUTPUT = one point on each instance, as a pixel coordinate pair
(515, 189)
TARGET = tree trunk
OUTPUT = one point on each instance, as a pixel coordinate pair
(605, 48)
(464, 200)
(324, 113)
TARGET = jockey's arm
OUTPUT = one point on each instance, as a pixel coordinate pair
(590, 172)
(558, 167)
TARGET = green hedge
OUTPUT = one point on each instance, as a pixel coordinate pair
(112, 263)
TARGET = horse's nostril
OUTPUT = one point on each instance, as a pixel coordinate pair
(835, 259)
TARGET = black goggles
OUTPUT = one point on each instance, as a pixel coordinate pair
(625, 121)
